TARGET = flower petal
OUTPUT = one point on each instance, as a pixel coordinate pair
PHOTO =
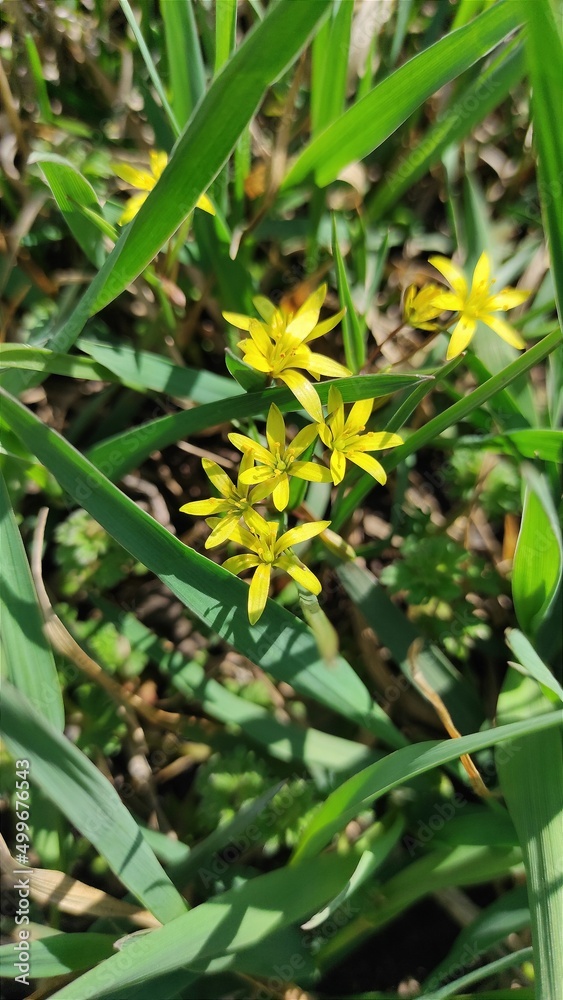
(238, 320)
(242, 536)
(310, 471)
(304, 392)
(266, 308)
(369, 464)
(258, 592)
(319, 365)
(482, 274)
(509, 298)
(275, 428)
(448, 301)
(325, 434)
(223, 530)
(158, 163)
(325, 326)
(205, 204)
(140, 179)
(244, 443)
(260, 492)
(462, 334)
(261, 474)
(505, 331)
(304, 438)
(253, 357)
(202, 508)
(303, 576)
(359, 416)
(260, 337)
(377, 441)
(218, 477)
(452, 273)
(281, 492)
(253, 519)
(337, 467)
(313, 301)
(238, 564)
(301, 533)
(132, 206)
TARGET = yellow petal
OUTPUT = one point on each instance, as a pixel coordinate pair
(311, 472)
(205, 204)
(238, 564)
(370, 465)
(223, 531)
(218, 477)
(337, 467)
(334, 399)
(258, 592)
(158, 163)
(377, 441)
(261, 474)
(452, 273)
(448, 301)
(325, 326)
(202, 508)
(275, 428)
(252, 518)
(244, 443)
(237, 319)
(281, 492)
(301, 533)
(319, 365)
(254, 358)
(303, 576)
(304, 322)
(505, 331)
(260, 337)
(304, 392)
(266, 308)
(249, 540)
(303, 439)
(509, 298)
(132, 206)
(359, 415)
(482, 274)
(140, 179)
(462, 334)
(314, 301)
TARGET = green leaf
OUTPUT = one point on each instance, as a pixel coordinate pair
(398, 767)
(538, 560)
(248, 378)
(89, 801)
(544, 51)
(279, 643)
(329, 70)
(29, 661)
(512, 961)
(124, 451)
(73, 194)
(57, 954)
(531, 442)
(364, 126)
(203, 147)
(353, 331)
(453, 415)
(185, 62)
(530, 771)
(38, 359)
(225, 31)
(533, 665)
(215, 934)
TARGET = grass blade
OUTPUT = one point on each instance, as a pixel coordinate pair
(364, 126)
(279, 643)
(353, 334)
(185, 63)
(88, 800)
(225, 31)
(538, 559)
(330, 67)
(29, 661)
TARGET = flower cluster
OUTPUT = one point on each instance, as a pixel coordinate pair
(266, 469)
(469, 304)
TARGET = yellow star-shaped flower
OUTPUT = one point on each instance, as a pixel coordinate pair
(346, 439)
(235, 502)
(419, 307)
(144, 181)
(277, 463)
(476, 303)
(267, 552)
(278, 346)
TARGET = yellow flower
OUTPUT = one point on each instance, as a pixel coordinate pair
(235, 501)
(419, 308)
(277, 463)
(144, 181)
(476, 303)
(278, 346)
(267, 553)
(280, 321)
(346, 440)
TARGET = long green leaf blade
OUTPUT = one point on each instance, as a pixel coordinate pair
(371, 120)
